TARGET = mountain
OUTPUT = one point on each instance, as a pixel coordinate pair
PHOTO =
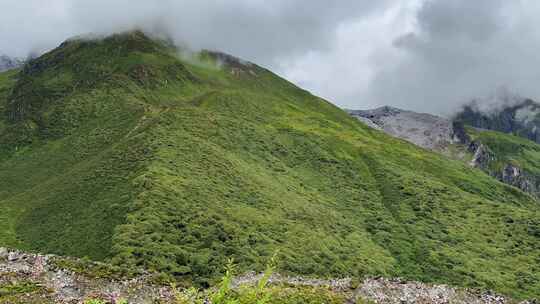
(507, 156)
(521, 118)
(511, 159)
(8, 63)
(123, 150)
(424, 130)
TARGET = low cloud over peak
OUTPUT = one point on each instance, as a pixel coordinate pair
(428, 55)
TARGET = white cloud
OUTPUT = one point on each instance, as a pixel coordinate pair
(344, 73)
(427, 55)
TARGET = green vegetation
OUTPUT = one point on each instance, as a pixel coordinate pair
(23, 292)
(260, 292)
(122, 150)
(95, 270)
(94, 301)
(509, 149)
(18, 287)
(519, 118)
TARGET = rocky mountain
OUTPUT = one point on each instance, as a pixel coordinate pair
(424, 130)
(123, 151)
(506, 157)
(8, 63)
(46, 279)
(521, 118)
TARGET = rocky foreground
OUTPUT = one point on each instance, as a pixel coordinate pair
(35, 278)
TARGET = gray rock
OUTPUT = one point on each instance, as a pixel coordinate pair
(425, 130)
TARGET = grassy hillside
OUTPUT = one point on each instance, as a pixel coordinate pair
(121, 149)
(510, 149)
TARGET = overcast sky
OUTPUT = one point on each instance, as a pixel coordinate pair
(424, 55)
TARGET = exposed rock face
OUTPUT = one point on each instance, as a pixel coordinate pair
(236, 66)
(521, 118)
(515, 176)
(510, 174)
(481, 156)
(8, 63)
(424, 130)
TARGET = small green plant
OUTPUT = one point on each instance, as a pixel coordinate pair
(94, 301)
(225, 294)
(188, 296)
(110, 301)
(222, 295)
(260, 294)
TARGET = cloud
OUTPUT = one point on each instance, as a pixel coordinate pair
(430, 56)
(362, 48)
(263, 31)
(27, 26)
(424, 55)
(462, 50)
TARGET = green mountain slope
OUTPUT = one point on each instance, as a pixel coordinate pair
(511, 159)
(510, 149)
(121, 149)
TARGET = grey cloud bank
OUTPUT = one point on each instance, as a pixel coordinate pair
(461, 50)
(424, 55)
(256, 29)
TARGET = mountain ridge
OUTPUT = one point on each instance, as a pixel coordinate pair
(479, 147)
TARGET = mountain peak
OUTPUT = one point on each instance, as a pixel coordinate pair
(134, 39)
(90, 63)
(377, 112)
(425, 130)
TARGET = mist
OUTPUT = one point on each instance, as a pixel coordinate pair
(462, 50)
(423, 55)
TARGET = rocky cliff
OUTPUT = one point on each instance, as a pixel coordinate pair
(505, 157)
